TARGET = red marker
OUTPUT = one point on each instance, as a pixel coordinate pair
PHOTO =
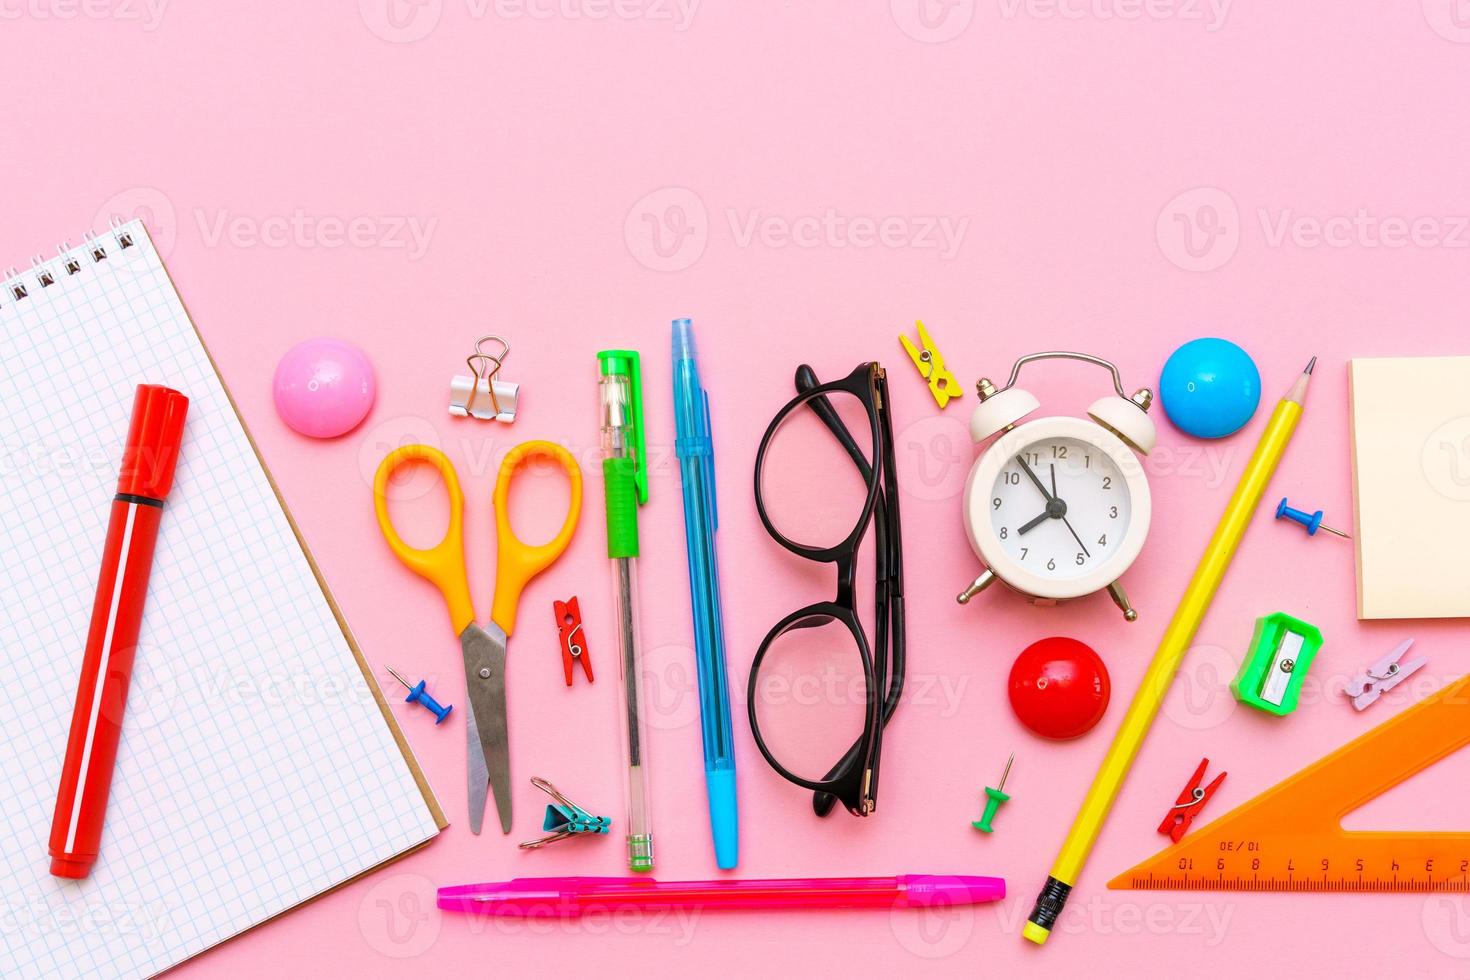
(96, 723)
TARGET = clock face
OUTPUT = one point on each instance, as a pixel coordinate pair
(1060, 507)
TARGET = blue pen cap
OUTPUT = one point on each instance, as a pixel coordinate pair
(684, 349)
(724, 817)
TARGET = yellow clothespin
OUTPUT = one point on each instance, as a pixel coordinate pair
(926, 357)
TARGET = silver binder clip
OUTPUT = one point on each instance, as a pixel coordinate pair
(1383, 676)
(482, 395)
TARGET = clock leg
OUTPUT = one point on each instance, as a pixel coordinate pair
(976, 587)
(1121, 599)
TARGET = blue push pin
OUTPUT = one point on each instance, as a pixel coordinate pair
(417, 694)
(1312, 522)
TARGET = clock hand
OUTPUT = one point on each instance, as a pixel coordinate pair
(1074, 534)
(1029, 525)
(1053, 479)
(1034, 479)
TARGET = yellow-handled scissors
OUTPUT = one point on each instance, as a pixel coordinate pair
(484, 647)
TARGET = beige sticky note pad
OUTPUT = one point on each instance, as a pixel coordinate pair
(1411, 484)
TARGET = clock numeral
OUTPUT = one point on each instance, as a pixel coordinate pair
(1012, 478)
(1034, 459)
(1112, 512)
(1005, 532)
(1051, 565)
(995, 503)
(1023, 553)
(1104, 539)
(1058, 452)
(1081, 559)
(1107, 483)
(1087, 462)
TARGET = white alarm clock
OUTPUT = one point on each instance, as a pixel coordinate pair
(1058, 507)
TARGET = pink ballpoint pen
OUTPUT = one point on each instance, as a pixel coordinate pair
(570, 897)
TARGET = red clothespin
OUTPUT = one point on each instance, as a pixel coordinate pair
(573, 639)
(1191, 801)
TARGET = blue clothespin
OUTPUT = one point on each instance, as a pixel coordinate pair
(1312, 522)
(564, 818)
(417, 695)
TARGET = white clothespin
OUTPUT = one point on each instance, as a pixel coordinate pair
(1383, 676)
(482, 395)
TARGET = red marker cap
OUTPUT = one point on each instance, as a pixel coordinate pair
(152, 449)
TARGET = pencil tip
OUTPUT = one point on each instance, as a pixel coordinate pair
(1311, 364)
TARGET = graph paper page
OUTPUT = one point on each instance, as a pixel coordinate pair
(256, 769)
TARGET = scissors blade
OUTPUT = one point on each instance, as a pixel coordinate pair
(484, 672)
(476, 773)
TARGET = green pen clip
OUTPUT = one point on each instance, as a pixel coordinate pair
(628, 364)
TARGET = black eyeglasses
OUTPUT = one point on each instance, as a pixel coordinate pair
(841, 505)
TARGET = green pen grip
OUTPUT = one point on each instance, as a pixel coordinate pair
(620, 487)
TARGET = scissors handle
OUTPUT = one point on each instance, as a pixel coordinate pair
(442, 564)
(517, 562)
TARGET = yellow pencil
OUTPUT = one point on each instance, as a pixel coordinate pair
(1166, 660)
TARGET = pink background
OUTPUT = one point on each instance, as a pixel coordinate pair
(1114, 175)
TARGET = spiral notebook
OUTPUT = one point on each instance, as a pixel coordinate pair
(259, 765)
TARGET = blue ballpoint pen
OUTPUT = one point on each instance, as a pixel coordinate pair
(696, 453)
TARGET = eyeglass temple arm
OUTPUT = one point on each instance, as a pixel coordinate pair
(806, 380)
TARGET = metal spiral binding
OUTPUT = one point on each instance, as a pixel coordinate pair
(16, 286)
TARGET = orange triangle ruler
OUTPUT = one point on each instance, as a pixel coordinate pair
(1290, 838)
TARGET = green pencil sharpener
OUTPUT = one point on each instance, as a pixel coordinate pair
(1275, 668)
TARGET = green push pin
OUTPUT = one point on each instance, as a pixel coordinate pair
(993, 799)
